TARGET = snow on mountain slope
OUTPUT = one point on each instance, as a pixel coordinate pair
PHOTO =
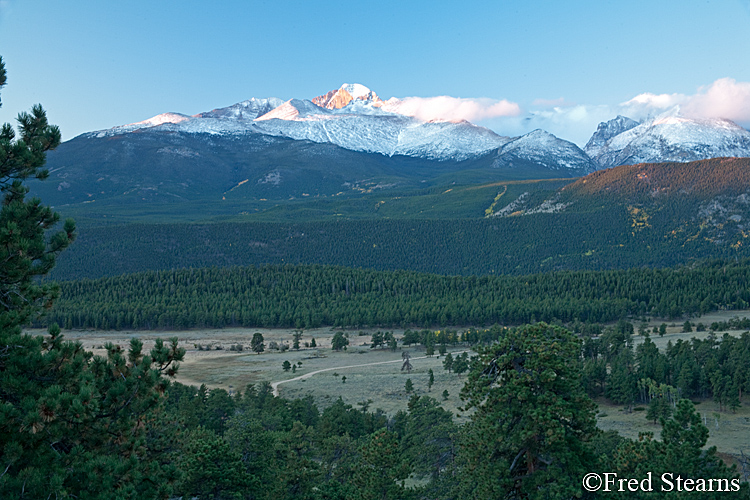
(355, 118)
(358, 126)
(157, 120)
(544, 149)
(235, 119)
(295, 109)
(459, 140)
(672, 137)
(363, 126)
(245, 110)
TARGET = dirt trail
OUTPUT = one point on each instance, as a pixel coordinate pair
(275, 385)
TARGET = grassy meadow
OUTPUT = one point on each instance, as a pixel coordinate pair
(381, 385)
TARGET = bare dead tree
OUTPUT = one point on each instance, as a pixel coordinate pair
(407, 364)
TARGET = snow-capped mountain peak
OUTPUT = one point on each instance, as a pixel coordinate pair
(293, 109)
(606, 131)
(671, 136)
(360, 124)
(348, 92)
(544, 149)
(359, 91)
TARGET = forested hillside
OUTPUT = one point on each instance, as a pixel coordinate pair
(698, 179)
(644, 215)
(604, 239)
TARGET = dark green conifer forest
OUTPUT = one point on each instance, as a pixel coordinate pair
(304, 296)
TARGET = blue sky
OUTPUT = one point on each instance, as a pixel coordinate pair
(561, 66)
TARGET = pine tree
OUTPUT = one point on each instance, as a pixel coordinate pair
(448, 362)
(381, 469)
(658, 408)
(461, 363)
(408, 386)
(297, 335)
(680, 452)
(72, 425)
(392, 344)
(339, 341)
(25, 252)
(376, 340)
(526, 390)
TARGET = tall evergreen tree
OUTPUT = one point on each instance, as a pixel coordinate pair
(679, 453)
(527, 437)
(25, 251)
(72, 425)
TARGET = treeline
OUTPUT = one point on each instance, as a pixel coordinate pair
(312, 296)
(717, 368)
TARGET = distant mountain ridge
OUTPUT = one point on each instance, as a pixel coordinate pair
(356, 118)
(352, 117)
(346, 142)
(669, 137)
(606, 131)
(544, 149)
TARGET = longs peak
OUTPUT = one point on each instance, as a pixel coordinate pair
(337, 99)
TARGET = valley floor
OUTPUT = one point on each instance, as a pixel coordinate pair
(374, 376)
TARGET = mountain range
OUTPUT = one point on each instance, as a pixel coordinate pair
(355, 118)
(346, 142)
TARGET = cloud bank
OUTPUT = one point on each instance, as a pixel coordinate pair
(452, 108)
(724, 98)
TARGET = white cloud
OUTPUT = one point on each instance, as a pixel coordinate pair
(452, 108)
(724, 98)
(647, 103)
